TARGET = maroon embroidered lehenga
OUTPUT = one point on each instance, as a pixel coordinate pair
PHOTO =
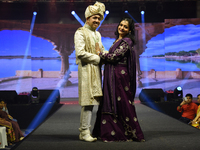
(116, 116)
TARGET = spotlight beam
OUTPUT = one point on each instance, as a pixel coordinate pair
(144, 42)
(42, 114)
(26, 52)
(77, 18)
(142, 16)
(126, 11)
(105, 15)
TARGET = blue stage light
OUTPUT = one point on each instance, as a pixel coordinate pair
(107, 12)
(178, 93)
(77, 18)
(34, 13)
(42, 114)
(73, 12)
(179, 88)
(126, 11)
(142, 12)
(26, 53)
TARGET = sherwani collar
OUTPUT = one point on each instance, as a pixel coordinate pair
(87, 26)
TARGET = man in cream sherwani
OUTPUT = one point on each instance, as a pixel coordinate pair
(87, 40)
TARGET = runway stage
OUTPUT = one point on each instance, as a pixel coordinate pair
(60, 132)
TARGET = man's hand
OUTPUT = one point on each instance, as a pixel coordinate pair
(183, 103)
(97, 48)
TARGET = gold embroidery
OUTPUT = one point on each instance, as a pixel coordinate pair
(127, 119)
(135, 119)
(115, 121)
(134, 135)
(104, 121)
(126, 133)
(113, 133)
(126, 88)
(118, 98)
(129, 101)
(123, 72)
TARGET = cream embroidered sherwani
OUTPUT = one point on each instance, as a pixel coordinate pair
(89, 71)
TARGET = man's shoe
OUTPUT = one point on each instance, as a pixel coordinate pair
(85, 136)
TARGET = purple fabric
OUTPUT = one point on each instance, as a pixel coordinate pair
(109, 103)
(116, 116)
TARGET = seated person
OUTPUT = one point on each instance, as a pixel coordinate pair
(3, 107)
(187, 108)
(196, 121)
(12, 127)
(9, 130)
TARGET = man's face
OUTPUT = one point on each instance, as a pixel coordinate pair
(189, 99)
(94, 21)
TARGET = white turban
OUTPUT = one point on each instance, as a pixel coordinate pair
(97, 8)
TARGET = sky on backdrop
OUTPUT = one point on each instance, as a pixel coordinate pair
(174, 39)
(15, 42)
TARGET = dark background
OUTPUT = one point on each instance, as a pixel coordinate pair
(60, 12)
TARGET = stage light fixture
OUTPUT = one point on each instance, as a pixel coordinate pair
(34, 13)
(126, 11)
(178, 93)
(142, 12)
(179, 88)
(73, 12)
(107, 12)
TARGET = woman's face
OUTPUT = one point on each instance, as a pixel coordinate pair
(198, 99)
(123, 28)
(2, 104)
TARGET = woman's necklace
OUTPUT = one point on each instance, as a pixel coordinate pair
(118, 40)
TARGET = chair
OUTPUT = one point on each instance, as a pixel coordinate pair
(3, 137)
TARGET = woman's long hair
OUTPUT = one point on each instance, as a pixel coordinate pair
(131, 35)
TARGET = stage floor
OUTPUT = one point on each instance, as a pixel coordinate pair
(60, 131)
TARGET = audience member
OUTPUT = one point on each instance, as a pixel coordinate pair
(187, 108)
(14, 133)
(3, 107)
(196, 121)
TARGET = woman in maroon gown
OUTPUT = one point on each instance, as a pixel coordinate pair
(116, 116)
